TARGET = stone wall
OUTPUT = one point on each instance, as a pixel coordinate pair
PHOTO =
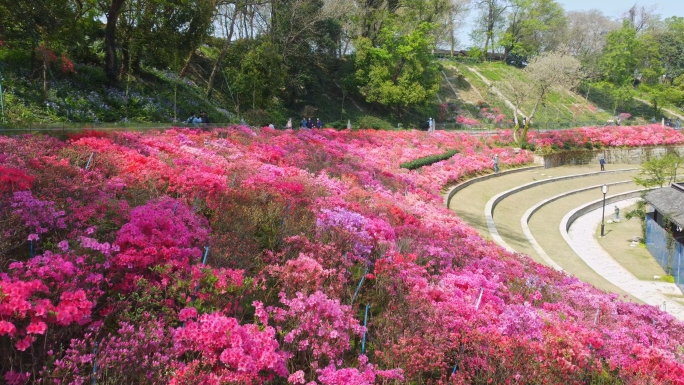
(626, 155)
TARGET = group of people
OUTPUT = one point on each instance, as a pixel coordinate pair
(668, 122)
(197, 120)
(308, 123)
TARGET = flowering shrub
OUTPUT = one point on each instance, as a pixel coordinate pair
(227, 351)
(227, 256)
(613, 136)
(624, 116)
(492, 116)
(468, 122)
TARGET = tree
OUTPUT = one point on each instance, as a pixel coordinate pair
(229, 15)
(533, 26)
(656, 172)
(518, 91)
(255, 74)
(110, 62)
(620, 95)
(585, 36)
(641, 17)
(489, 22)
(544, 73)
(662, 94)
(620, 58)
(671, 44)
(400, 72)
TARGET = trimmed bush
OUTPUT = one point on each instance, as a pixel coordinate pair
(375, 123)
(428, 160)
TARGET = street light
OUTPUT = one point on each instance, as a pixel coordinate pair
(604, 190)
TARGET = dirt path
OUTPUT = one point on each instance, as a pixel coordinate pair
(497, 92)
(669, 111)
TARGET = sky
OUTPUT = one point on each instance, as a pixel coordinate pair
(611, 8)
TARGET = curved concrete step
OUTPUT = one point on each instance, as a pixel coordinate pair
(525, 219)
(491, 204)
(453, 190)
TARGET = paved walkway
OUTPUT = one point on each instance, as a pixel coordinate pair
(583, 242)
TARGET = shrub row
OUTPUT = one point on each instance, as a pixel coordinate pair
(428, 160)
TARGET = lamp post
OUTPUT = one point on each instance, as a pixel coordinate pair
(604, 190)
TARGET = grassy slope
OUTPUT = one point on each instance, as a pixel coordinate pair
(560, 109)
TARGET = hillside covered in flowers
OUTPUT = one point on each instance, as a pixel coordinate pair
(307, 257)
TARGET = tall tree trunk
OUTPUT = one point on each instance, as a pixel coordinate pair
(45, 90)
(186, 66)
(110, 40)
(222, 54)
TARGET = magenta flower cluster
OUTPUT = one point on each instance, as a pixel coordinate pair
(307, 257)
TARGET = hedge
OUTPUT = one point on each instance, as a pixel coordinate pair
(428, 160)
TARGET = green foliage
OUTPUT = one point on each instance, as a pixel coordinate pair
(368, 121)
(428, 160)
(619, 96)
(668, 279)
(639, 212)
(338, 124)
(399, 73)
(657, 171)
(254, 74)
(661, 94)
(620, 56)
(671, 42)
(533, 24)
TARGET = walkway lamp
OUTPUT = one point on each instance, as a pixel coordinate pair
(604, 190)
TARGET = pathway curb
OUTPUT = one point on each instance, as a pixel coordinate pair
(491, 204)
(453, 190)
(525, 219)
(585, 245)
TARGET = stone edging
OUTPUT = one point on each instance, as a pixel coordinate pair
(605, 265)
(524, 220)
(570, 217)
(452, 191)
(491, 204)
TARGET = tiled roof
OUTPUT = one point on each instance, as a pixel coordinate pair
(669, 201)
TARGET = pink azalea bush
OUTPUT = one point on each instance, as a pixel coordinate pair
(230, 256)
(612, 136)
(467, 122)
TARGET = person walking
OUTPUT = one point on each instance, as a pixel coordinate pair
(288, 125)
(319, 124)
(309, 123)
(617, 213)
(602, 162)
(496, 163)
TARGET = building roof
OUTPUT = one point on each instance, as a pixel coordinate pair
(669, 201)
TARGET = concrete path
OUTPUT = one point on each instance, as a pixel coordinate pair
(581, 238)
